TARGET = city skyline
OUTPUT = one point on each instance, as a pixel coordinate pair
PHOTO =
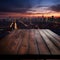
(29, 8)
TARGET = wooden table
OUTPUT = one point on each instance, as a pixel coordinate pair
(31, 41)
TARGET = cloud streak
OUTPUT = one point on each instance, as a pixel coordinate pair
(55, 8)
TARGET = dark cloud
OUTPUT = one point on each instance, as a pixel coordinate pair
(14, 5)
(55, 8)
(21, 6)
(16, 10)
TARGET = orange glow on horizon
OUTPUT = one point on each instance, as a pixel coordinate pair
(30, 14)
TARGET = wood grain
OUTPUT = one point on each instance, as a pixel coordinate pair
(30, 41)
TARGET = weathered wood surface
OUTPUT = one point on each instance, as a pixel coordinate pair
(31, 41)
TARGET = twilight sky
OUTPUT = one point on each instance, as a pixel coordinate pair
(29, 7)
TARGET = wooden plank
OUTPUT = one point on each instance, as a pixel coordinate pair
(20, 39)
(23, 49)
(13, 46)
(5, 42)
(32, 43)
(50, 45)
(9, 46)
(56, 42)
(54, 35)
(41, 45)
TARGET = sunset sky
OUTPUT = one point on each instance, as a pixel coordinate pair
(29, 8)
